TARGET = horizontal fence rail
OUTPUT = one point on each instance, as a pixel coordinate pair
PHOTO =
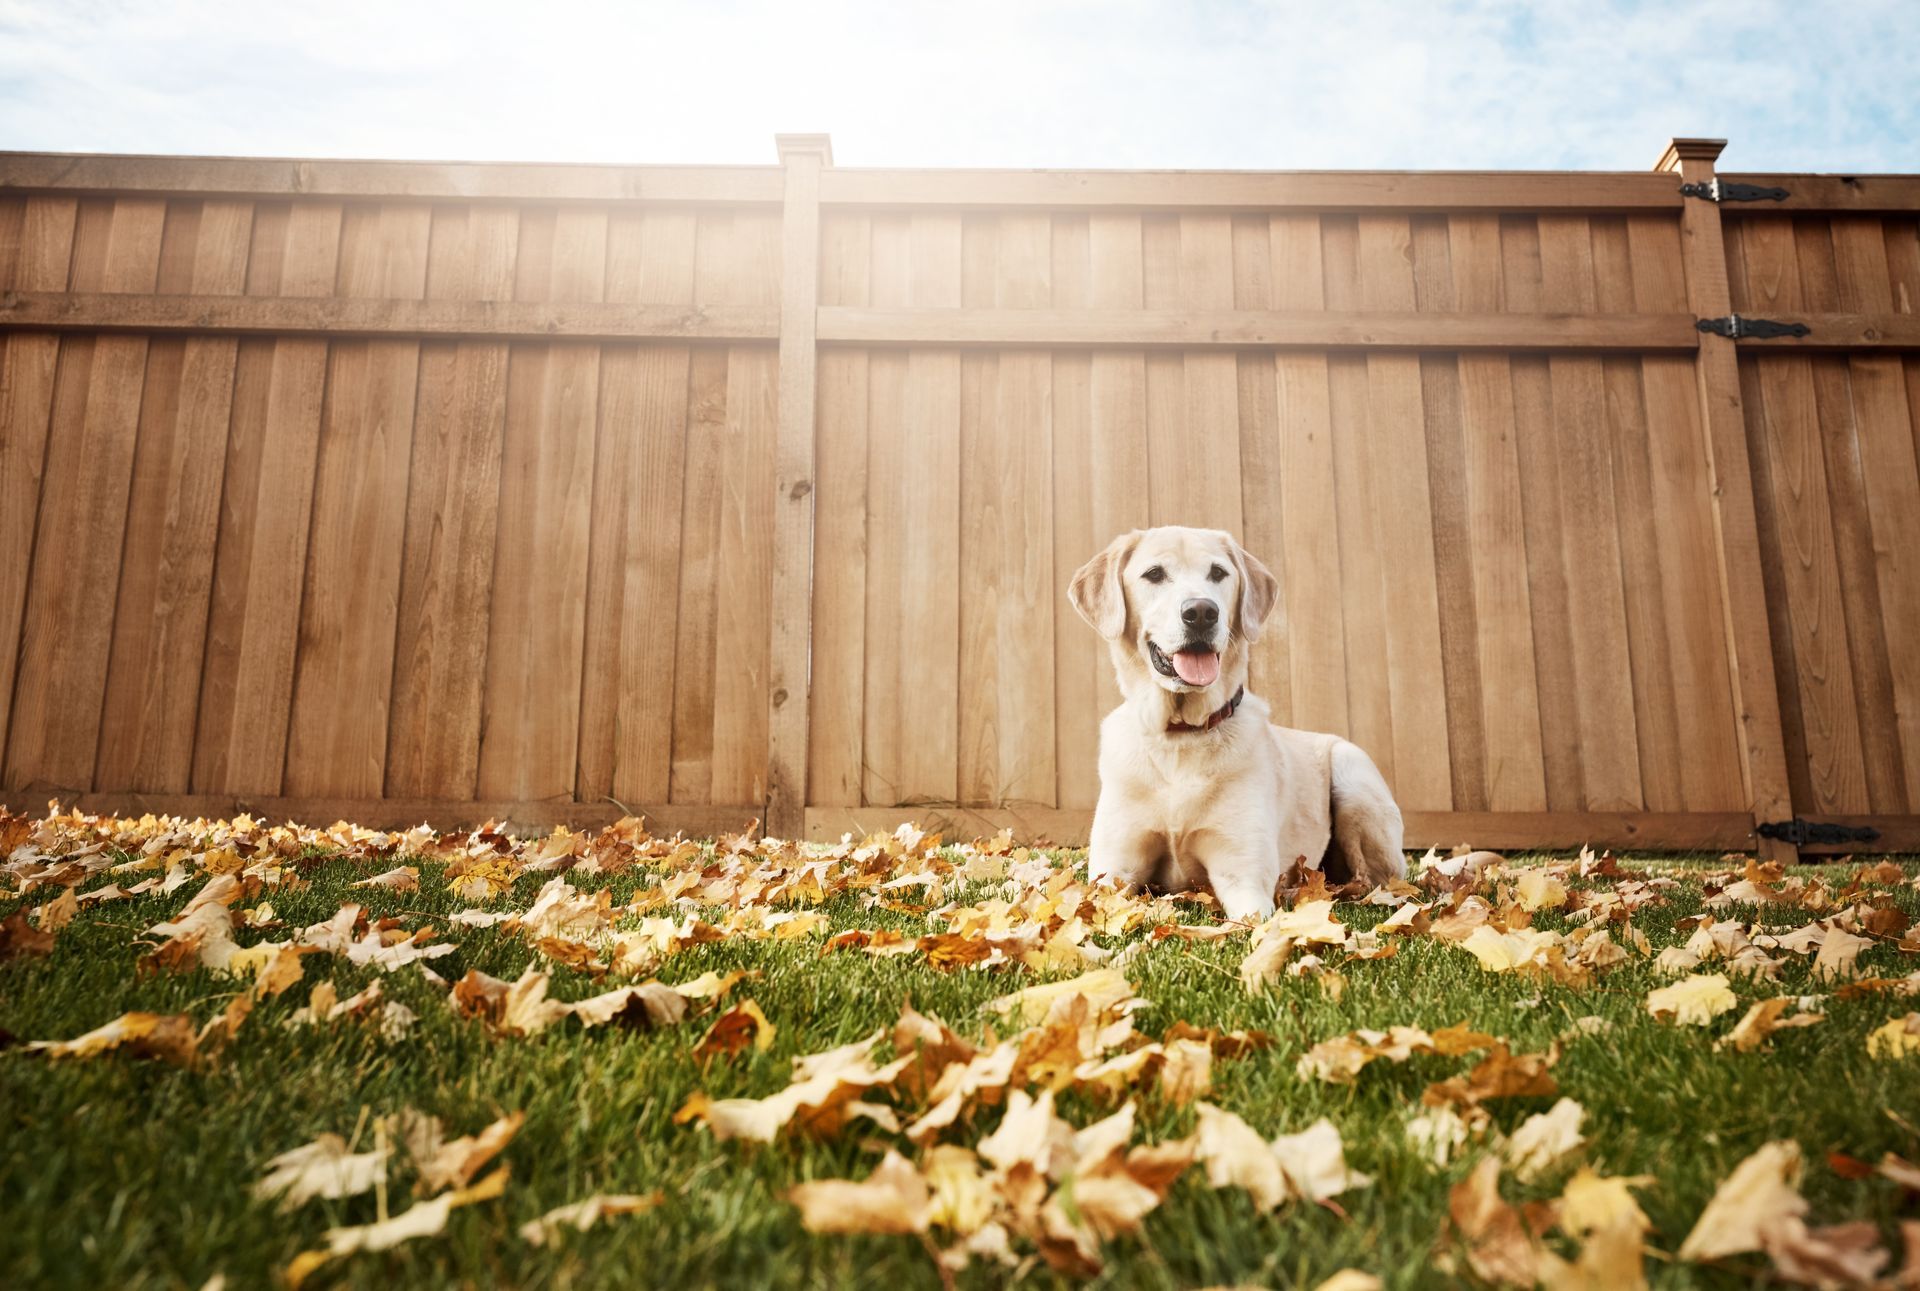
(395, 491)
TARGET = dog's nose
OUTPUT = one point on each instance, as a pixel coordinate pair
(1200, 613)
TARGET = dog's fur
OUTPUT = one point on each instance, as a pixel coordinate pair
(1238, 806)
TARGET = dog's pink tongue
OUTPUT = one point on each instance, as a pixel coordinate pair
(1197, 668)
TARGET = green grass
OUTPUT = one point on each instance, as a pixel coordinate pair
(126, 1173)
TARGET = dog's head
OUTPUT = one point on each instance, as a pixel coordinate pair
(1176, 602)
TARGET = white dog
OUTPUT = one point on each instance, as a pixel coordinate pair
(1197, 788)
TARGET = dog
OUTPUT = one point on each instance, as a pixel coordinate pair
(1198, 789)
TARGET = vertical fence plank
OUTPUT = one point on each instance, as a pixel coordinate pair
(1655, 702)
(246, 687)
(173, 515)
(1362, 575)
(1547, 595)
(1119, 456)
(929, 596)
(1307, 556)
(840, 556)
(1496, 533)
(67, 629)
(1403, 530)
(1736, 537)
(1262, 504)
(1440, 397)
(1589, 534)
(1006, 745)
(530, 731)
(453, 516)
(337, 740)
(794, 494)
(1080, 657)
(1682, 534)
(888, 430)
(633, 578)
(36, 241)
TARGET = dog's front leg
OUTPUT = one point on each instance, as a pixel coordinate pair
(1244, 872)
(1121, 850)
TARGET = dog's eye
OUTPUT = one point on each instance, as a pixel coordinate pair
(1216, 574)
(1155, 575)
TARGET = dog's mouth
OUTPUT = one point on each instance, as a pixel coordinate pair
(1195, 663)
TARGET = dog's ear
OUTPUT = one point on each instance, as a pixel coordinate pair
(1259, 591)
(1096, 591)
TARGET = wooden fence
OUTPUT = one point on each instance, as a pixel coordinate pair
(400, 491)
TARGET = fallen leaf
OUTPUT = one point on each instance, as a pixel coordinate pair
(1839, 949)
(452, 1164)
(1761, 1020)
(423, 1219)
(19, 939)
(742, 1025)
(58, 913)
(169, 1037)
(893, 1199)
(1592, 1201)
(1693, 1001)
(582, 1215)
(1899, 1038)
(1545, 1139)
(322, 1168)
(1188, 1071)
(1103, 988)
(406, 878)
(1502, 1243)
(1761, 1194)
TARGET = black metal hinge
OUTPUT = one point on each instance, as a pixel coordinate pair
(1802, 832)
(1736, 328)
(1715, 191)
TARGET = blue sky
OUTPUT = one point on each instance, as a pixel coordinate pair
(1256, 84)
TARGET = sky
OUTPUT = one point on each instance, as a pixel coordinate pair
(1251, 84)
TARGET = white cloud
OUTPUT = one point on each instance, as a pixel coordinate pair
(1280, 84)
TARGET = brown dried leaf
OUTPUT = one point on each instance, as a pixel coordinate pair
(742, 1025)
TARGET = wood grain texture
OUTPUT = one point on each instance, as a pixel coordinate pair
(465, 516)
(1079, 656)
(337, 739)
(1440, 397)
(1403, 531)
(36, 252)
(633, 568)
(1788, 421)
(1713, 278)
(884, 634)
(453, 516)
(835, 734)
(1307, 560)
(1006, 618)
(1590, 541)
(529, 735)
(794, 496)
(166, 574)
(67, 629)
(928, 600)
(246, 688)
(1262, 504)
(1119, 455)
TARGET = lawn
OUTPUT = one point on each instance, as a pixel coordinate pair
(139, 1165)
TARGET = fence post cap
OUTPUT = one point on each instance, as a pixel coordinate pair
(802, 145)
(1679, 150)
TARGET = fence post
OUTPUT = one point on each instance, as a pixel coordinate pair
(802, 156)
(1763, 755)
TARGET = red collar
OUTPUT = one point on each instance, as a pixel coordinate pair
(1219, 715)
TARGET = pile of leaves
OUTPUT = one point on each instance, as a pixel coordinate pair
(1046, 1126)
